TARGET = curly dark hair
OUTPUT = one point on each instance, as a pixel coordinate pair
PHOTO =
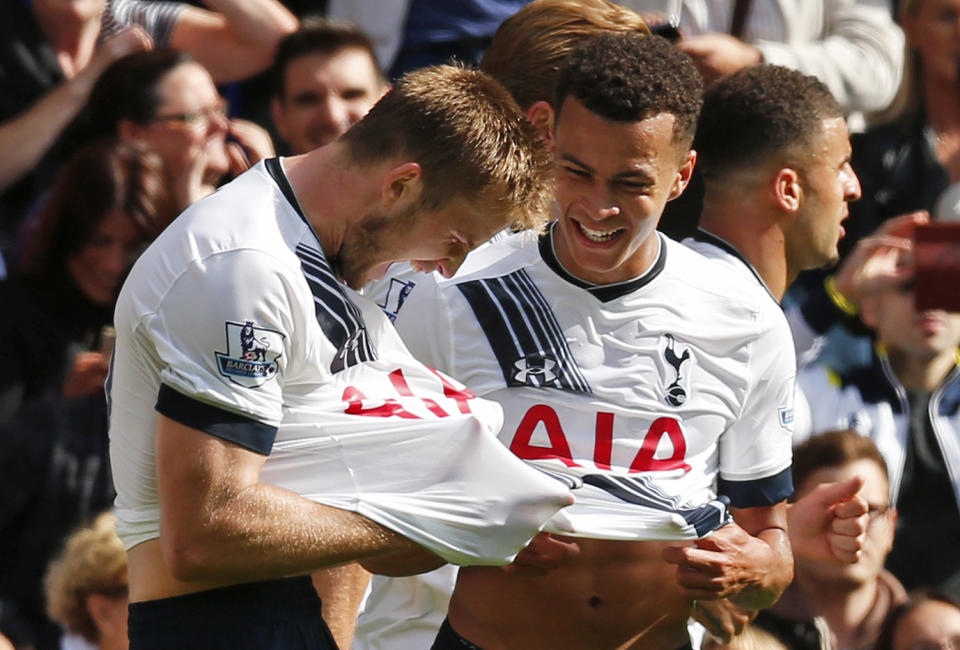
(758, 113)
(627, 78)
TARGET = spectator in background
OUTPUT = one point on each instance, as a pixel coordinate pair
(410, 34)
(86, 585)
(326, 77)
(908, 401)
(829, 603)
(907, 163)
(929, 621)
(52, 51)
(852, 46)
(105, 206)
(166, 100)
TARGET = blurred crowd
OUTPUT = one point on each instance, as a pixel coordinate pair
(115, 115)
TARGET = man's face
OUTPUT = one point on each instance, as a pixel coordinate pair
(430, 239)
(879, 537)
(920, 335)
(324, 95)
(613, 181)
(828, 184)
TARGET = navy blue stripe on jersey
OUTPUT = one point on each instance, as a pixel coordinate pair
(642, 491)
(340, 319)
(602, 292)
(239, 429)
(523, 333)
(757, 492)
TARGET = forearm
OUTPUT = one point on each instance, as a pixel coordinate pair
(218, 522)
(341, 589)
(262, 22)
(406, 562)
(773, 571)
(265, 532)
(27, 137)
(237, 39)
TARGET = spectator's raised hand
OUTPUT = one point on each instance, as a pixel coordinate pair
(875, 265)
(247, 144)
(130, 40)
(87, 375)
(829, 523)
(717, 55)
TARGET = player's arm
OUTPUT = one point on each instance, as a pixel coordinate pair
(218, 522)
(748, 561)
(26, 138)
(235, 39)
(341, 590)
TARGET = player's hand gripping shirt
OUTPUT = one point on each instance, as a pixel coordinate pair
(649, 397)
(233, 323)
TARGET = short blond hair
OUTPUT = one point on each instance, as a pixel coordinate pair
(529, 48)
(93, 560)
(470, 139)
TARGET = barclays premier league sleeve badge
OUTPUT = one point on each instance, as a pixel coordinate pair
(251, 356)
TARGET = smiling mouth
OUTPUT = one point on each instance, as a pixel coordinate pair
(599, 236)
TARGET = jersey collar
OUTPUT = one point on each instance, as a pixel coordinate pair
(702, 235)
(275, 169)
(603, 292)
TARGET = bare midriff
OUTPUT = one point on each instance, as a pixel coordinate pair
(613, 595)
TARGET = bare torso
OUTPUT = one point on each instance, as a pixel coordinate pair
(613, 595)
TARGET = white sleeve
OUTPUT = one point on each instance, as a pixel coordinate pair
(755, 453)
(224, 337)
(859, 56)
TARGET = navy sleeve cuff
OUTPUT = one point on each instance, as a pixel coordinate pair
(819, 311)
(760, 492)
(238, 429)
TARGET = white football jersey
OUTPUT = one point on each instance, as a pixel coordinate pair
(234, 323)
(651, 397)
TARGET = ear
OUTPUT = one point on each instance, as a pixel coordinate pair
(540, 115)
(684, 174)
(401, 183)
(786, 189)
(277, 115)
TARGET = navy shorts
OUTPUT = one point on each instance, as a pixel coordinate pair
(448, 639)
(270, 615)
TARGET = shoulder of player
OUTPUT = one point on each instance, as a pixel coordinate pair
(713, 276)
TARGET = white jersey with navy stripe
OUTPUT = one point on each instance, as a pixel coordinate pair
(650, 396)
(234, 323)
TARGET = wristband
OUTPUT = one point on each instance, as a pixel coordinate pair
(841, 301)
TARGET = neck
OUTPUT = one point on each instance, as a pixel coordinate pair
(332, 191)
(917, 373)
(844, 609)
(757, 239)
(73, 38)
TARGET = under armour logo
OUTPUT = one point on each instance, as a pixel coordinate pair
(539, 367)
(676, 395)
